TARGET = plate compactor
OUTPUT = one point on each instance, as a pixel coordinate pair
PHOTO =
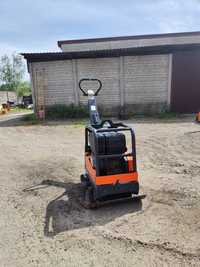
(110, 170)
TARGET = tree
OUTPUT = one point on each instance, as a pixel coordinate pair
(11, 72)
(23, 88)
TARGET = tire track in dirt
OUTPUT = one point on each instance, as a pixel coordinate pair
(151, 245)
(156, 253)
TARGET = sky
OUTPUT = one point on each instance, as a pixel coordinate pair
(36, 26)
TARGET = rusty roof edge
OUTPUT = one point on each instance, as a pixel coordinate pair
(130, 37)
(162, 49)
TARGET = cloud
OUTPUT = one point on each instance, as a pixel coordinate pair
(32, 26)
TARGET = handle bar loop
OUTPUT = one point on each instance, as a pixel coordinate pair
(87, 79)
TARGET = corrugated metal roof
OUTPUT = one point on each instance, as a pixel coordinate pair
(163, 49)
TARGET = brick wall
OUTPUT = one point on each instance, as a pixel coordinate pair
(132, 83)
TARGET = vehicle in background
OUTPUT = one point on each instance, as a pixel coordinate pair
(27, 101)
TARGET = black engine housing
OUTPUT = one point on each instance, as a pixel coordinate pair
(111, 143)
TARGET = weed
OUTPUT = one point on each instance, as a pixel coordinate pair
(66, 112)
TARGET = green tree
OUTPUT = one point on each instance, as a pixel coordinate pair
(11, 72)
(23, 88)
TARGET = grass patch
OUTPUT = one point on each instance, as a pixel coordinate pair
(18, 110)
(162, 115)
(80, 123)
(167, 115)
(66, 112)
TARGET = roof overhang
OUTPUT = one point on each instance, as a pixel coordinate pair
(54, 56)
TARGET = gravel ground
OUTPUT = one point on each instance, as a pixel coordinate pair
(49, 227)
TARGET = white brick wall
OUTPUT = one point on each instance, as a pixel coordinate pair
(146, 79)
(126, 80)
(105, 69)
(59, 81)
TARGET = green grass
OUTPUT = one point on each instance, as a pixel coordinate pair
(66, 112)
(162, 115)
(167, 115)
(79, 123)
(18, 110)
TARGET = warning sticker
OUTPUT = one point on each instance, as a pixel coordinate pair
(93, 108)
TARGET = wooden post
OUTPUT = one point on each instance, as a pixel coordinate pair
(40, 92)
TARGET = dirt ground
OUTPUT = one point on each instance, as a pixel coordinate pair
(49, 227)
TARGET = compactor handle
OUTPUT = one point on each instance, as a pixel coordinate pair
(86, 80)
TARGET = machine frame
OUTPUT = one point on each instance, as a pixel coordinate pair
(97, 187)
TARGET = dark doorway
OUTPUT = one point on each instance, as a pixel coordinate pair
(185, 94)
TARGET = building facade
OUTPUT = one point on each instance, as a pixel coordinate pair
(9, 96)
(140, 74)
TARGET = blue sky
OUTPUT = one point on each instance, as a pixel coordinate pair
(35, 26)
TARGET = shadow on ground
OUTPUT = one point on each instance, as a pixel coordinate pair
(66, 212)
(13, 119)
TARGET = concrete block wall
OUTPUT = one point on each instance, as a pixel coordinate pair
(12, 96)
(130, 84)
(146, 79)
(107, 70)
(59, 81)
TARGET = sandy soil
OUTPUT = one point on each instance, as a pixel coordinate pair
(49, 227)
